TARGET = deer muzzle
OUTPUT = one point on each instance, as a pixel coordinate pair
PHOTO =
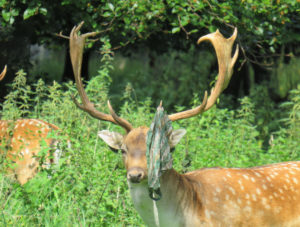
(135, 175)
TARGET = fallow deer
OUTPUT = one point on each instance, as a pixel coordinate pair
(21, 141)
(229, 197)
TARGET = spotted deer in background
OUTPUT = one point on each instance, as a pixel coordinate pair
(228, 197)
(21, 141)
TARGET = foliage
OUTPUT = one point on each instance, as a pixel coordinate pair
(293, 118)
(17, 101)
(88, 187)
(166, 31)
(265, 112)
(175, 77)
(263, 25)
(286, 77)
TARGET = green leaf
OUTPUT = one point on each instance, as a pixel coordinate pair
(5, 15)
(111, 6)
(106, 14)
(2, 3)
(176, 29)
(29, 12)
(194, 31)
(43, 11)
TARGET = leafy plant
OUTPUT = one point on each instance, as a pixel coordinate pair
(88, 187)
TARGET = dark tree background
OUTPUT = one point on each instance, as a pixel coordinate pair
(269, 35)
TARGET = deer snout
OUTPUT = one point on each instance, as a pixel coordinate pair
(135, 175)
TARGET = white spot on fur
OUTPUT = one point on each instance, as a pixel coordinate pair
(295, 180)
(277, 210)
(258, 191)
(232, 190)
(216, 199)
(264, 187)
(292, 172)
(227, 197)
(207, 214)
(246, 177)
(257, 174)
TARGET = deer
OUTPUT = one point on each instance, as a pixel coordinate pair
(230, 197)
(21, 141)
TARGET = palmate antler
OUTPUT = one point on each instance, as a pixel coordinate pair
(223, 48)
(2, 75)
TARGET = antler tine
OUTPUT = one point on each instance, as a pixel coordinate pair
(2, 75)
(120, 121)
(223, 48)
(190, 113)
(77, 43)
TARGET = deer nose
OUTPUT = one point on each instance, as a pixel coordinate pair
(135, 175)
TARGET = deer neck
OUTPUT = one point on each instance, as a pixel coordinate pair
(180, 202)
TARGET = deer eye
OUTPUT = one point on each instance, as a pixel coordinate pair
(123, 151)
(113, 149)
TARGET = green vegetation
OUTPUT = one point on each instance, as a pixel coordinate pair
(267, 29)
(89, 187)
(271, 23)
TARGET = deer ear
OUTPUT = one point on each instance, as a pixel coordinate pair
(112, 139)
(176, 136)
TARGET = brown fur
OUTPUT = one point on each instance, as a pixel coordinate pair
(23, 140)
(135, 149)
(258, 196)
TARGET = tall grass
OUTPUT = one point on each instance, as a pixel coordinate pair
(88, 187)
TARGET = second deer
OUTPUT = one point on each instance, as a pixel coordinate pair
(20, 143)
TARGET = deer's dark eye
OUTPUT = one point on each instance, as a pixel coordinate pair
(172, 149)
(114, 150)
(123, 151)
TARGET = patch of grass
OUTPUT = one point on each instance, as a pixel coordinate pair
(88, 187)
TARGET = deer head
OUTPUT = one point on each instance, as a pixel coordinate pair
(133, 142)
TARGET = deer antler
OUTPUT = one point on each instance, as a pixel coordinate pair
(2, 75)
(77, 43)
(223, 48)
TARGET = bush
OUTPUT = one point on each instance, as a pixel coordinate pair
(89, 186)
